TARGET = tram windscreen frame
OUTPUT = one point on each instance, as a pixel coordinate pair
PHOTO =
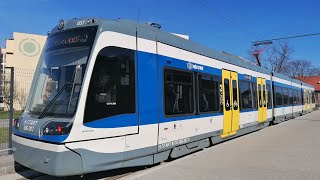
(59, 76)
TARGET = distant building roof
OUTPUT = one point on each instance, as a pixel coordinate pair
(312, 80)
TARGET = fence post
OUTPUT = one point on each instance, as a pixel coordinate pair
(11, 105)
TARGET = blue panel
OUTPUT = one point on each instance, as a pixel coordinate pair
(122, 120)
(147, 88)
(248, 110)
(47, 138)
(185, 65)
(285, 85)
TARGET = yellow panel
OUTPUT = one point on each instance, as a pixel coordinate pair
(227, 111)
(310, 100)
(260, 110)
(235, 103)
(305, 99)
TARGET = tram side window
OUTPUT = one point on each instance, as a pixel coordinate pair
(245, 95)
(290, 96)
(269, 95)
(208, 93)
(178, 92)
(313, 98)
(285, 96)
(295, 97)
(278, 92)
(112, 85)
(255, 97)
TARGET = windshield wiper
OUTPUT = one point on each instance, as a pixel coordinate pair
(43, 114)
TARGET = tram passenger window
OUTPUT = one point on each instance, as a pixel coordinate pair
(245, 95)
(269, 95)
(112, 85)
(255, 97)
(313, 98)
(285, 96)
(178, 92)
(290, 96)
(295, 97)
(279, 98)
(208, 93)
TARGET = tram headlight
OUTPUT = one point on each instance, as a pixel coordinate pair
(57, 128)
(16, 123)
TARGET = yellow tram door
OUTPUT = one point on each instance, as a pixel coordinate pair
(262, 100)
(310, 100)
(305, 99)
(231, 110)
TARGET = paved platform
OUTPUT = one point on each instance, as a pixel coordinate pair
(290, 150)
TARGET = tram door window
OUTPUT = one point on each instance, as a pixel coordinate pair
(305, 99)
(231, 110)
(262, 100)
(112, 85)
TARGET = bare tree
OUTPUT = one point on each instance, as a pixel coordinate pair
(302, 68)
(275, 57)
(279, 56)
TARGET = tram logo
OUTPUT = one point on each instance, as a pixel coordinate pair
(191, 66)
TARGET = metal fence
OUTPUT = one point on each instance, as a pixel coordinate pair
(14, 91)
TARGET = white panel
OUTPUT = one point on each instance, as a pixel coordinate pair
(80, 132)
(283, 81)
(282, 111)
(188, 128)
(248, 117)
(148, 136)
(109, 145)
(177, 53)
(39, 145)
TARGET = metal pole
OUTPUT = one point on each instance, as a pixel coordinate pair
(11, 104)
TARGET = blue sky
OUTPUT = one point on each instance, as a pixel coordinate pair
(229, 25)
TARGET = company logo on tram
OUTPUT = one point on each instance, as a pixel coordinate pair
(191, 66)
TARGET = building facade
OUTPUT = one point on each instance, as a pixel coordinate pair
(315, 82)
(22, 52)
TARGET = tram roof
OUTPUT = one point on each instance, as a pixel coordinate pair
(146, 31)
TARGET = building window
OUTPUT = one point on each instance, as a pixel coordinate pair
(208, 93)
(178, 92)
(112, 85)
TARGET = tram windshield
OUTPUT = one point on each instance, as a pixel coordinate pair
(60, 73)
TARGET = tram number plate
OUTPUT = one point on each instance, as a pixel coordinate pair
(29, 125)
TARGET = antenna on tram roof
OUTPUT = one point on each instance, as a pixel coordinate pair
(156, 25)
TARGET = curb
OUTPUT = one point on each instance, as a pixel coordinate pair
(15, 167)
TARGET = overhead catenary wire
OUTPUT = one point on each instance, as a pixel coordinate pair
(226, 19)
(282, 38)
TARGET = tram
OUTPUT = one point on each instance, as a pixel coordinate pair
(110, 94)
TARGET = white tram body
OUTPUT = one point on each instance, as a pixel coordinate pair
(109, 94)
